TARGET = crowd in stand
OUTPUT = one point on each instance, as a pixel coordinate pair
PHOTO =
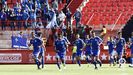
(42, 14)
(28, 13)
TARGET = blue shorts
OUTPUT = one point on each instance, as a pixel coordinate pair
(78, 53)
(61, 55)
(88, 52)
(36, 55)
(119, 53)
(111, 53)
(96, 52)
(131, 51)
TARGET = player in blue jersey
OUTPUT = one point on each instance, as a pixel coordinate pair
(42, 52)
(95, 44)
(60, 49)
(131, 47)
(88, 49)
(120, 47)
(79, 43)
(37, 44)
(111, 46)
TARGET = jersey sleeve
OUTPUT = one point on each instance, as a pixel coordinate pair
(124, 41)
(55, 44)
(83, 43)
(107, 43)
(99, 40)
(31, 41)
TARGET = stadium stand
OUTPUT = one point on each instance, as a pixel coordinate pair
(107, 12)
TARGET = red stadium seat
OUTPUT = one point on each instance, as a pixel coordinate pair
(9, 1)
(14, 1)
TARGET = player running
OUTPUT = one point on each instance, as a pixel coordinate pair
(60, 49)
(95, 43)
(131, 47)
(88, 49)
(120, 46)
(42, 52)
(79, 45)
(74, 53)
(111, 46)
(37, 44)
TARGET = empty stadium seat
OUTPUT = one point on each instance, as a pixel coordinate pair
(108, 11)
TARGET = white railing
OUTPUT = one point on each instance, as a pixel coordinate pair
(116, 22)
(90, 19)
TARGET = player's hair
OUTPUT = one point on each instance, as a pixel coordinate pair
(92, 32)
(59, 34)
(119, 33)
(39, 34)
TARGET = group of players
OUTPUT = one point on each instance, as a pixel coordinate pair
(91, 46)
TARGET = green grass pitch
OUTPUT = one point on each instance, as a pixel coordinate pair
(70, 70)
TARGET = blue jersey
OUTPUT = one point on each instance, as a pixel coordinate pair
(120, 43)
(36, 42)
(79, 43)
(95, 43)
(111, 46)
(60, 45)
(88, 46)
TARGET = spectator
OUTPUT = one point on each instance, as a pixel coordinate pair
(68, 17)
(39, 24)
(103, 33)
(19, 19)
(46, 1)
(88, 30)
(63, 27)
(46, 15)
(12, 19)
(77, 16)
(30, 4)
(25, 17)
(60, 1)
(26, 8)
(55, 5)
(37, 5)
(20, 34)
(23, 35)
(3, 18)
(17, 7)
(33, 18)
(68, 1)
(61, 18)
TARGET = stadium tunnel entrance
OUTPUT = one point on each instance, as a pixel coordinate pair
(128, 29)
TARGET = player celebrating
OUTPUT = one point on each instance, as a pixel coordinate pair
(60, 49)
(37, 44)
(88, 50)
(120, 46)
(111, 46)
(79, 45)
(131, 47)
(96, 42)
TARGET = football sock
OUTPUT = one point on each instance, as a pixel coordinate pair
(131, 60)
(95, 64)
(88, 61)
(99, 62)
(42, 61)
(78, 61)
